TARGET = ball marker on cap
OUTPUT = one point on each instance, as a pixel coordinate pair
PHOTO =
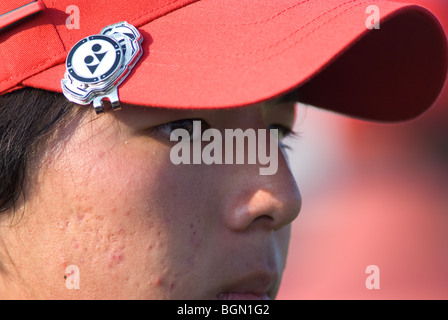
(98, 64)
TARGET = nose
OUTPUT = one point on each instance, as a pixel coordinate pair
(252, 200)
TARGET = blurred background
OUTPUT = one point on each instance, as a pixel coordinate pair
(373, 194)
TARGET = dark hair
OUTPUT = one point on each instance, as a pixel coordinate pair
(26, 116)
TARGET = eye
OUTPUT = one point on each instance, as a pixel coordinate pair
(284, 132)
(165, 130)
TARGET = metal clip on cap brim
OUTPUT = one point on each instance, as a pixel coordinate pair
(98, 103)
(98, 64)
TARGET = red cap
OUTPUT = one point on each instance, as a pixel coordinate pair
(229, 53)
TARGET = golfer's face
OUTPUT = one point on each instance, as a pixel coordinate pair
(108, 201)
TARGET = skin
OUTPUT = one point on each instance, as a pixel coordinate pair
(104, 196)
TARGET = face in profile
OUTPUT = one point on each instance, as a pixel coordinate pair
(104, 200)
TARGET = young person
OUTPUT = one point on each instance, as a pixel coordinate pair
(121, 173)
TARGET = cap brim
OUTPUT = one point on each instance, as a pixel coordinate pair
(216, 54)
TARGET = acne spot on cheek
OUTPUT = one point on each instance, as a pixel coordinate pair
(191, 261)
(195, 240)
(80, 217)
(158, 282)
(116, 257)
(63, 262)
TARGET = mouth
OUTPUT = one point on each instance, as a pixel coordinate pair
(257, 286)
(242, 296)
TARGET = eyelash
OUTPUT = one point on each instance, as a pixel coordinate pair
(284, 132)
(164, 129)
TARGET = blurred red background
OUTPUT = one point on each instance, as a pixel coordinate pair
(373, 194)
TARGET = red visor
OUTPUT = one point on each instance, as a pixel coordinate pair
(230, 53)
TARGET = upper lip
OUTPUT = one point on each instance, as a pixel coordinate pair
(256, 283)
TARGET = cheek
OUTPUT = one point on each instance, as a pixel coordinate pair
(115, 225)
(129, 223)
(171, 208)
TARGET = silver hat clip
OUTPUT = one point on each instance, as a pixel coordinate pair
(98, 64)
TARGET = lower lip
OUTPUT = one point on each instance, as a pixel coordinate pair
(242, 296)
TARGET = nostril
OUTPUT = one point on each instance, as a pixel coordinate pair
(261, 209)
(264, 222)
